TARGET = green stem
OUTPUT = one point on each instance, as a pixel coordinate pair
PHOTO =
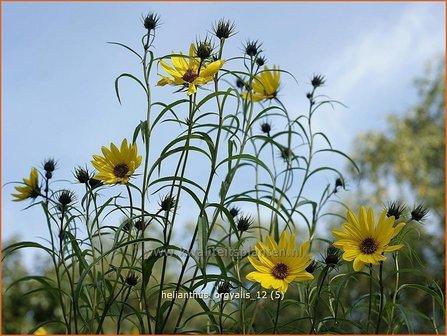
(93, 248)
(433, 320)
(118, 326)
(396, 288)
(146, 166)
(220, 315)
(379, 317)
(73, 307)
(370, 297)
(275, 327)
(310, 139)
(320, 287)
(106, 309)
(56, 266)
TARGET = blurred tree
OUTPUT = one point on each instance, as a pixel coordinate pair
(22, 312)
(406, 163)
(14, 304)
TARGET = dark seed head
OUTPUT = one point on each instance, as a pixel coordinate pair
(49, 165)
(419, 213)
(317, 81)
(65, 197)
(167, 203)
(339, 182)
(132, 279)
(94, 183)
(82, 174)
(204, 49)
(252, 48)
(224, 288)
(234, 211)
(223, 29)
(395, 209)
(261, 60)
(312, 267)
(286, 154)
(332, 257)
(266, 127)
(240, 83)
(244, 223)
(140, 225)
(151, 21)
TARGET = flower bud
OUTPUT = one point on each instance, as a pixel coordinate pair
(224, 288)
(203, 50)
(151, 21)
(223, 29)
(252, 48)
(332, 257)
(132, 279)
(260, 61)
(167, 203)
(419, 213)
(317, 81)
(395, 209)
(244, 223)
(234, 211)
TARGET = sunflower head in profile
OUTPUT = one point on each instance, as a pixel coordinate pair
(265, 85)
(30, 187)
(363, 241)
(278, 264)
(189, 71)
(117, 165)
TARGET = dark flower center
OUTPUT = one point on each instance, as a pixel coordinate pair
(121, 170)
(280, 271)
(190, 75)
(368, 246)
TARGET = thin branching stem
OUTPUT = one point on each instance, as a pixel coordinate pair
(278, 307)
(368, 321)
(379, 317)
(317, 299)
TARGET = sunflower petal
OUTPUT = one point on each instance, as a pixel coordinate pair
(358, 264)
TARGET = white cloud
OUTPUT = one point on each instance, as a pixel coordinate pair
(387, 50)
(372, 73)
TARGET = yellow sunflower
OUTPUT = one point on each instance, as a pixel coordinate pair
(363, 241)
(117, 165)
(188, 71)
(41, 331)
(265, 85)
(278, 264)
(31, 188)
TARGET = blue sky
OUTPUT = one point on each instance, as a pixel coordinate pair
(59, 72)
